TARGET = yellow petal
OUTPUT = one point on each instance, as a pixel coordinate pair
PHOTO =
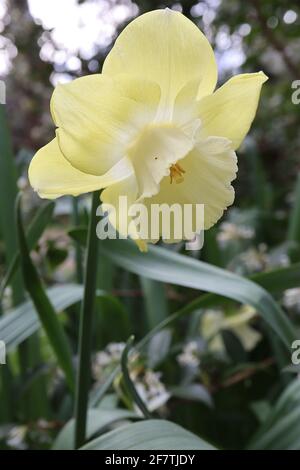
(186, 106)
(111, 195)
(209, 170)
(119, 217)
(97, 118)
(229, 112)
(52, 176)
(142, 91)
(165, 47)
(213, 321)
(239, 324)
(247, 336)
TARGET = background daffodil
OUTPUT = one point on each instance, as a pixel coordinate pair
(150, 126)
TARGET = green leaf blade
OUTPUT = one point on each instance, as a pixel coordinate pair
(166, 266)
(152, 434)
(44, 308)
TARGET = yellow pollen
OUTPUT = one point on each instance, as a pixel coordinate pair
(176, 173)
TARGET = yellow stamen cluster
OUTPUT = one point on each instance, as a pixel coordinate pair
(176, 173)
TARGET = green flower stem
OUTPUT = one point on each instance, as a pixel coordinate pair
(85, 331)
(78, 254)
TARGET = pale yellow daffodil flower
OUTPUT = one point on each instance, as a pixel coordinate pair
(214, 321)
(151, 120)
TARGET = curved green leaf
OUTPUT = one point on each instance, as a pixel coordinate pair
(8, 193)
(97, 420)
(33, 234)
(281, 429)
(129, 383)
(166, 266)
(44, 308)
(21, 322)
(275, 281)
(152, 434)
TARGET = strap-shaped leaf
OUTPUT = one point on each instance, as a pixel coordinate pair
(21, 322)
(281, 429)
(97, 420)
(33, 234)
(276, 280)
(44, 308)
(166, 266)
(129, 383)
(152, 434)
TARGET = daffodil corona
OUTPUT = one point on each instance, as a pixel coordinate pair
(150, 127)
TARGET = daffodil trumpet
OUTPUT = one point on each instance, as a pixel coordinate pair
(151, 126)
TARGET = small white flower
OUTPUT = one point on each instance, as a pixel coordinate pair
(7, 301)
(232, 232)
(115, 350)
(256, 259)
(291, 298)
(190, 355)
(110, 356)
(151, 389)
(16, 437)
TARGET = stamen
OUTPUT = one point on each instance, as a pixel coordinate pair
(176, 173)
